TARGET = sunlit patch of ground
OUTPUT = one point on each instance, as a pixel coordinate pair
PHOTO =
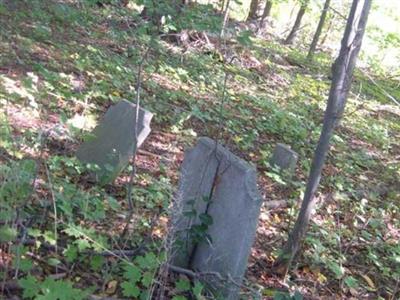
(268, 78)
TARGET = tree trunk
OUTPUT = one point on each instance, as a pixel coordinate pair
(266, 13)
(296, 26)
(342, 73)
(267, 10)
(154, 13)
(253, 10)
(328, 29)
(222, 7)
(226, 17)
(318, 32)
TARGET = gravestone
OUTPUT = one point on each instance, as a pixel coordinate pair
(112, 142)
(216, 183)
(284, 158)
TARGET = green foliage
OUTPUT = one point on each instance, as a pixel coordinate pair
(50, 289)
(139, 275)
(17, 183)
(66, 61)
(287, 296)
(7, 234)
(197, 232)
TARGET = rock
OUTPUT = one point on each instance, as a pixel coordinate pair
(113, 140)
(222, 190)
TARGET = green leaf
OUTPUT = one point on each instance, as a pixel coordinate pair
(297, 296)
(244, 38)
(71, 253)
(132, 273)
(190, 213)
(351, 282)
(206, 219)
(53, 261)
(282, 296)
(144, 295)
(114, 204)
(151, 260)
(25, 265)
(49, 237)
(30, 286)
(82, 244)
(182, 285)
(147, 279)
(179, 297)
(336, 269)
(97, 262)
(141, 262)
(198, 289)
(130, 289)
(7, 234)
(60, 290)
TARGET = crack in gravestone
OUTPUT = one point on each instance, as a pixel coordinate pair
(212, 171)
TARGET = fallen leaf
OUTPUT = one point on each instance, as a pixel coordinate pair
(111, 287)
(369, 281)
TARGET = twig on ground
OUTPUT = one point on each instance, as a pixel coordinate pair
(382, 89)
(53, 198)
(127, 253)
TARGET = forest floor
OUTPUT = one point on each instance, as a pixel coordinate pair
(62, 66)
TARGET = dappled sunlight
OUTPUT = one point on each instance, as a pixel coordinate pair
(12, 86)
(64, 63)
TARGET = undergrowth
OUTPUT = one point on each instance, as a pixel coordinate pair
(63, 63)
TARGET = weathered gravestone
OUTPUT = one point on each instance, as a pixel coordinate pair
(284, 158)
(112, 142)
(216, 183)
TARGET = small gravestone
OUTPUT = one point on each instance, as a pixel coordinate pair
(112, 142)
(284, 158)
(216, 183)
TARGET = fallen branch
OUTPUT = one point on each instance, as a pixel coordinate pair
(195, 275)
(198, 275)
(127, 253)
(382, 89)
(276, 204)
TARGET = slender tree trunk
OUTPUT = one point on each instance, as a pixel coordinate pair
(226, 17)
(318, 32)
(342, 72)
(328, 30)
(296, 26)
(253, 10)
(222, 7)
(266, 12)
(267, 9)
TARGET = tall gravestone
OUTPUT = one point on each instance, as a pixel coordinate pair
(112, 142)
(284, 158)
(216, 183)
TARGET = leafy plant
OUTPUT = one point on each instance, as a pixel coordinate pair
(50, 289)
(139, 275)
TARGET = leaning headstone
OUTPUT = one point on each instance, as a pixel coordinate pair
(284, 158)
(222, 191)
(112, 142)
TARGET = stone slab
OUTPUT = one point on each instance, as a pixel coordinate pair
(113, 141)
(234, 208)
(284, 158)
